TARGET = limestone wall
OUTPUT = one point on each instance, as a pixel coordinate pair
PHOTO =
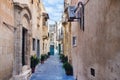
(98, 47)
(67, 41)
(6, 39)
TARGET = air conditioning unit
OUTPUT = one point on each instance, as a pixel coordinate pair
(71, 13)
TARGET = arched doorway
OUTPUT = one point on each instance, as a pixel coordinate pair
(26, 38)
(23, 36)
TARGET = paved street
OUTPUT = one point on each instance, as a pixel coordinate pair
(50, 70)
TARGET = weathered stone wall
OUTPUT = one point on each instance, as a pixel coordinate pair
(22, 20)
(44, 31)
(67, 33)
(13, 18)
(67, 40)
(98, 47)
(45, 39)
(6, 39)
(36, 25)
(45, 47)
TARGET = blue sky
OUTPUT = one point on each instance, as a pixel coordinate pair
(54, 9)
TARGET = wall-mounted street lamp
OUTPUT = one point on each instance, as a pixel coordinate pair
(77, 13)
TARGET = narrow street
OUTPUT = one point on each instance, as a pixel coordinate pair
(51, 39)
(50, 70)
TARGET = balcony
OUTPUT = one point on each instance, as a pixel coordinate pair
(45, 32)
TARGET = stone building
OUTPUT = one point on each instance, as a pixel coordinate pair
(59, 37)
(20, 24)
(22, 41)
(39, 28)
(52, 38)
(45, 35)
(96, 40)
(45, 40)
(66, 32)
(15, 34)
(36, 27)
(6, 39)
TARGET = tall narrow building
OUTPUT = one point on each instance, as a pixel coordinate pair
(21, 28)
(95, 39)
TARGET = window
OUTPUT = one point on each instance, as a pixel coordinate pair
(33, 44)
(92, 72)
(74, 41)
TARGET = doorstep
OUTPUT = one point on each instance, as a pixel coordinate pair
(23, 76)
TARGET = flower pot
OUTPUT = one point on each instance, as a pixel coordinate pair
(69, 73)
(42, 62)
(33, 70)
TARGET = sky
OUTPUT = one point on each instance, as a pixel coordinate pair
(54, 9)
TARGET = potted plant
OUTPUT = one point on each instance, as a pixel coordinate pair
(34, 62)
(42, 58)
(63, 58)
(68, 68)
(48, 54)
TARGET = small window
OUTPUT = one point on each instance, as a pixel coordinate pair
(93, 72)
(74, 41)
(33, 44)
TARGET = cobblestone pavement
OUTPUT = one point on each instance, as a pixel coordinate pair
(50, 70)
